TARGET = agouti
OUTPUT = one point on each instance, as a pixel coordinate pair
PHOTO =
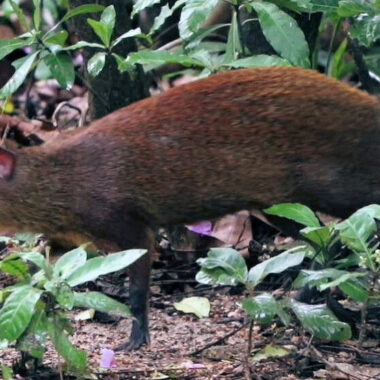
(232, 141)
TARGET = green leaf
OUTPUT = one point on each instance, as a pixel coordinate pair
(159, 57)
(36, 258)
(321, 322)
(61, 67)
(259, 60)
(277, 264)
(283, 33)
(65, 296)
(234, 47)
(131, 33)
(318, 235)
(372, 210)
(84, 44)
(69, 262)
(104, 28)
(351, 8)
(99, 266)
(296, 212)
(356, 289)
(6, 372)
(193, 15)
(58, 38)
(297, 6)
(122, 64)
(7, 46)
(82, 9)
(18, 77)
(161, 18)
(223, 266)
(140, 5)
(20, 15)
(37, 14)
(366, 30)
(17, 312)
(34, 340)
(200, 306)
(75, 358)
(14, 266)
(96, 64)
(262, 308)
(101, 302)
(356, 230)
(328, 6)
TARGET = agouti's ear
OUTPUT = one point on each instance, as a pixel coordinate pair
(7, 164)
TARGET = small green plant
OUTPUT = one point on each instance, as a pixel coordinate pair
(357, 274)
(225, 266)
(35, 308)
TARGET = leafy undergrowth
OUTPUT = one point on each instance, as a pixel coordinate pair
(185, 347)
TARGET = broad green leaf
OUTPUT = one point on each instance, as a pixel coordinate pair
(62, 68)
(366, 29)
(355, 289)
(321, 322)
(318, 235)
(372, 210)
(294, 5)
(161, 18)
(96, 64)
(277, 264)
(99, 266)
(101, 302)
(260, 60)
(193, 15)
(223, 266)
(340, 67)
(351, 8)
(36, 258)
(262, 308)
(283, 33)
(58, 38)
(17, 312)
(14, 266)
(131, 33)
(140, 5)
(18, 77)
(356, 230)
(296, 212)
(74, 357)
(270, 351)
(200, 306)
(84, 44)
(341, 280)
(234, 47)
(104, 28)
(34, 340)
(7, 46)
(69, 262)
(82, 9)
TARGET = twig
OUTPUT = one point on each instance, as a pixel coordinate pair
(216, 342)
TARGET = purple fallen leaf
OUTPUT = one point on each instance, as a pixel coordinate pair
(107, 359)
(194, 366)
(202, 228)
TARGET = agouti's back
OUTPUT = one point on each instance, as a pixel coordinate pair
(235, 140)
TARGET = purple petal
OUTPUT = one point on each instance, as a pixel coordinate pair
(108, 359)
(202, 228)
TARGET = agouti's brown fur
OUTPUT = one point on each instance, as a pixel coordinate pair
(235, 140)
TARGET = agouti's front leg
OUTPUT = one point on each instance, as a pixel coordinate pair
(139, 280)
